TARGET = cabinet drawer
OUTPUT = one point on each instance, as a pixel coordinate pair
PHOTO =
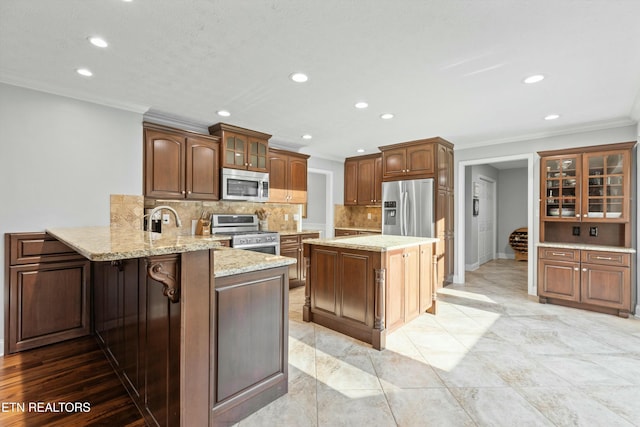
(606, 258)
(288, 240)
(559, 254)
(30, 248)
(309, 236)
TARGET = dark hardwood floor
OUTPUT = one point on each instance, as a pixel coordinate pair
(39, 387)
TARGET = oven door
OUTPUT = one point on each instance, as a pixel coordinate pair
(265, 249)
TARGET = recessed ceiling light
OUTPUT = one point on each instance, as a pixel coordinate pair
(97, 41)
(361, 104)
(127, 1)
(386, 116)
(223, 113)
(360, 150)
(306, 136)
(552, 116)
(299, 77)
(533, 79)
(84, 72)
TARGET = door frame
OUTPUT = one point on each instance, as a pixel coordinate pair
(532, 214)
(328, 232)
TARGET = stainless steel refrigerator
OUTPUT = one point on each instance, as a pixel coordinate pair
(408, 208)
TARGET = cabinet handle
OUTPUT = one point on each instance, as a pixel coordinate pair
(558, 253)
(576, 268)
(584, 215)
(604, 258)
(584, 269)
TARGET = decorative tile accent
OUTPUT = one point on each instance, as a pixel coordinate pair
(357, 217)
(126, 211)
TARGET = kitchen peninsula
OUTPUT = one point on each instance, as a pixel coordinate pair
(368, 286)
(189, 351)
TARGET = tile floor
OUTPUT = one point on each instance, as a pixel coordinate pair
(492, 356)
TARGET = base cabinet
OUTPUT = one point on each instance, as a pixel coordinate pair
(291, 246)
(47, 292)
(595, 280)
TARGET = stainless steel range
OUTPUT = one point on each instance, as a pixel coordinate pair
(245, 234)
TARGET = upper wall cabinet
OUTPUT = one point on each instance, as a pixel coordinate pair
(180, 164)
(363, 180)
(287, 176)
(242, 148)
(410, 160)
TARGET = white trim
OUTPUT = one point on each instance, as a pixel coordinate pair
(328, 233)
(532, 216)
(503, 255)
(471, 267)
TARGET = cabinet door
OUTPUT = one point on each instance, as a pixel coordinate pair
(258, 155)
(426, 277)
(445, 167)
(420, 161)
(48, 303)
(234, 150)
(366, 171)
(202, 171)
(278, 169)
(297, 180)
(394, 163)
(606, 186)
(292, 252)
(395, 291)
(557, 279)
(351, 182)
(606, 286)
(411, 283)
(164, 172)
(560, 188)
(325, 277)
(377, 181)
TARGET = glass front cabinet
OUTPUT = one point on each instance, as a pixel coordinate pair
(591, 187)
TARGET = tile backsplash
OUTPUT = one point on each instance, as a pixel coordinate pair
(126, 211)
(358, 216)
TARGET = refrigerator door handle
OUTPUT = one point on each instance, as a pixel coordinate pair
(403, 221)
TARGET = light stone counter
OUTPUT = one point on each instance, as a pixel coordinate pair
(229, 261)
(368, 230)
(586, 247)
(375, 243)
(295, 232)
(110, 244)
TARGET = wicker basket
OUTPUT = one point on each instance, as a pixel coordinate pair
(518, 240)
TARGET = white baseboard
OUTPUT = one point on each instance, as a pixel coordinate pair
(506, 256)
(2, 347)
(472, 267)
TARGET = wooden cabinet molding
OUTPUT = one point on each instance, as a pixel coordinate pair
(242, 148)
(287, 176)
(291, 246)
(180, 164)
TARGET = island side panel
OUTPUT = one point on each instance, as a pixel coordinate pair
(196, 320)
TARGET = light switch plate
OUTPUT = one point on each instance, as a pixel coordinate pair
(165, 218)
(296, 217)
(286, 217)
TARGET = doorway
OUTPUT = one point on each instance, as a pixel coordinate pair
(486, 217)
(319, 212)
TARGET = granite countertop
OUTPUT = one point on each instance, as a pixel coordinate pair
(229, 261)
(109, 244)
(375, 243)
(586, 247)
(372, 230)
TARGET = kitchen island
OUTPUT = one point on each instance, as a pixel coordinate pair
(368, 286)
(198, 334)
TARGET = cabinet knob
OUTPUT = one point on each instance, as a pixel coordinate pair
(250, 164)
(584, 269)
(578, 215)
(189, 192)
(576, 268)
(584, 215)
(183, 192)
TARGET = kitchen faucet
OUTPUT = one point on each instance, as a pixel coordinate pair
(159, 208)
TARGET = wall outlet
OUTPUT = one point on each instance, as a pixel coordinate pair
(165, 218)
(576, 231)
(593, 231)
(286, 217)
(296, 217)
(369, 215)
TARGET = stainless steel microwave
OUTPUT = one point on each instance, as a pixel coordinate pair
(245, 185)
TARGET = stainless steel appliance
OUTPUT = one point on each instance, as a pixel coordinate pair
(245, 185)
(408, 208)
(244, 233)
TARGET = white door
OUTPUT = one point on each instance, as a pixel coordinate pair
(486, 220)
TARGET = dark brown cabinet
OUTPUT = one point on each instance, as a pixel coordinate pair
(341, 232)
(242, 148)
(410, 160)
(592, 279)
(47, 293)
(180, 164)
(287, 177)
(363, 180)
(291, 246)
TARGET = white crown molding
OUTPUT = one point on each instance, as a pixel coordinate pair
(172, 120)
(54, 90)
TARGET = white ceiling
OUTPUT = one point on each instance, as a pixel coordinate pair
(446, 68)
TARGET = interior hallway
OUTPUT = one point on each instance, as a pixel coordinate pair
(490, 357)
